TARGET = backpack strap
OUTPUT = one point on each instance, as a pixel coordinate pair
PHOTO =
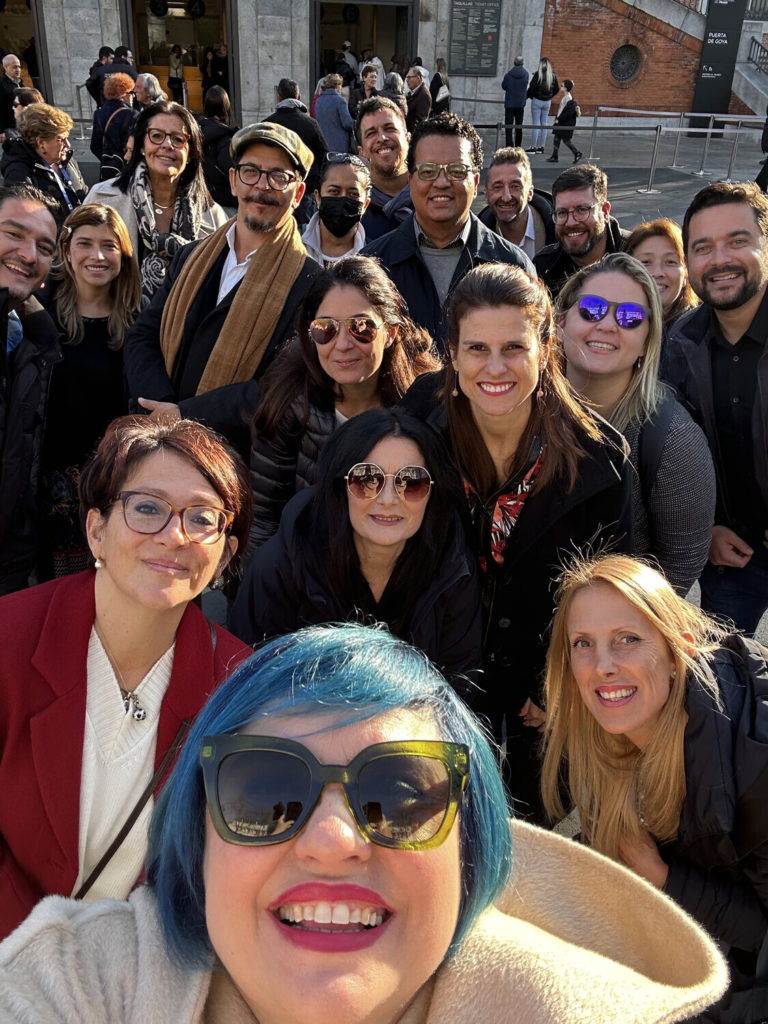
(650, 445)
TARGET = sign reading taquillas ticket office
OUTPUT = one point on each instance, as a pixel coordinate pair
(718, 56)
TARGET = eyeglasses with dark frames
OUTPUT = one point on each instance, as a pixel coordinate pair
(277, 179)
(579, 213)
(149, 514)
(157, 137)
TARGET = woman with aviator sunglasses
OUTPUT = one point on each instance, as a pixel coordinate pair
(356, 348)
(379, 537)
(101, 672)
(609, 319)
(334, 846)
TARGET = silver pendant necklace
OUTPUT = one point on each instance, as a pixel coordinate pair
(128, 697)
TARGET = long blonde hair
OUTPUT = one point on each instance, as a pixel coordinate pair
(125, 290)
(618, 789)
(645, 391)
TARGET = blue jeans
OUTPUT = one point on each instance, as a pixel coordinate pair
(539, 114)
(738, 594)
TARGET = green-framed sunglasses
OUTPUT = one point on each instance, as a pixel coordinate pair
(403, 795)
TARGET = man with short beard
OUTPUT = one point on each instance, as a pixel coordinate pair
(383, 141)
(28, 350)
(716, 358)
(515, 210)
(228, 301)
(584, 228)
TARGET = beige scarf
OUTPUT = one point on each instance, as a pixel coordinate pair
(255, 309)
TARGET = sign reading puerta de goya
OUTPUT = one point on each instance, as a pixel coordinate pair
(718, 56)
(474, 41)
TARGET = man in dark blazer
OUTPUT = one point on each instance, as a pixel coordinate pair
(10, 81)
(433, 248)
(269, 154)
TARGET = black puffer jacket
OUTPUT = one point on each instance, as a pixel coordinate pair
(718, 865)
(285, 464)
(25, 377)
(21, 164)
(279, 594)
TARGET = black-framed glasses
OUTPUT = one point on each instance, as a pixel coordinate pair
(157, 137)
(324, 329)
(579, 213)
(251, 174)
(262, 790)
(455, 171)
(148, 513)
(593, 308)
(366, 481)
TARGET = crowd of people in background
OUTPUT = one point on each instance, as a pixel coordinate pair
(289, 361)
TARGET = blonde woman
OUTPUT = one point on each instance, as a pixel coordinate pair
(609, 319)
(541, 91)
(95, 299)
(657, 722)
(42, 156)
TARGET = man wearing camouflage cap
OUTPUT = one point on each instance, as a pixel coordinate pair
(229, 301)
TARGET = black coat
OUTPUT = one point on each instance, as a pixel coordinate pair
(25, 377)
(216, 159)
(518, 597)
(718, 865)
(98, 74)
(226, 409)
(399, 253)
(21, 165)
(293, 114)
(555, 266)
(541, 202)
(119, 130)
(286, 463)
(7, 89)
(279, 594)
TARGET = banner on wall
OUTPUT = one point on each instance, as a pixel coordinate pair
(717, 63)
(474, 40)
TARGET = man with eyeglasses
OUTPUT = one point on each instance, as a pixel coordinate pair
(430, 252)
(515, 210)
(418, 98)
(28, 351)
(716, 358)
(584, 228)
(228, 301)
(10, 81)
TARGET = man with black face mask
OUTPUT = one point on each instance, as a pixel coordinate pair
(344, 193)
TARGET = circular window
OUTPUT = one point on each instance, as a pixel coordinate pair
(625, 63)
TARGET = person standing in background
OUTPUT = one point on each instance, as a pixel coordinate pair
(176, 74)
(9, 82)
(440, 88)
(515, 86)
(543, 86)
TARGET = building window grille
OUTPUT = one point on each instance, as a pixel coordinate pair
(625, 63)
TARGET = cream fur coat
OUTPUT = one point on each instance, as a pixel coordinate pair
(576, 939)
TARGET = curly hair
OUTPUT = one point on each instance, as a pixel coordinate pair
(42, 121)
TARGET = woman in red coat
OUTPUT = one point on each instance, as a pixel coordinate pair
(101, 672)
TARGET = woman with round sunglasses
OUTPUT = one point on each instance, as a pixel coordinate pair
(657, 732)
(610, 322)
(540, 474)
(378, 538)
(333, 845)
(115, 662)
(356, 349)
(161, 194)
(658, 245)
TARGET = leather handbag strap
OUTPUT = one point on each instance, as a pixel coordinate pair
(130, 821)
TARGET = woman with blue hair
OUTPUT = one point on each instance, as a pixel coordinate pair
(328, 849)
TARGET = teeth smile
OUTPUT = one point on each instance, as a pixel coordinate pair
(601, 346)
(339, 916)
(616, 694)
(496, 389)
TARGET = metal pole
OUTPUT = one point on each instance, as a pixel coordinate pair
(675, 165)
(701, 172)
(733, 151)
(649, 189)
(499, 126)
(591, 158)
(80, 108)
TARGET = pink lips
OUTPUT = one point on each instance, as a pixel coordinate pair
(330, 942)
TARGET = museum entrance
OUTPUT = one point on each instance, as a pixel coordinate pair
(390, 30)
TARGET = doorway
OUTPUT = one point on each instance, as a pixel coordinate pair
(390, 30)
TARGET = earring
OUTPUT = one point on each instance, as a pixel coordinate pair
(455, 392)
(99, 563)
(639, 362)
(217, 584)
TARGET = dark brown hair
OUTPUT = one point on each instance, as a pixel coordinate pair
(583, 176)
(296, 373)
(721, 192)
(663, 228)
(130, 439)
(556, 417)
